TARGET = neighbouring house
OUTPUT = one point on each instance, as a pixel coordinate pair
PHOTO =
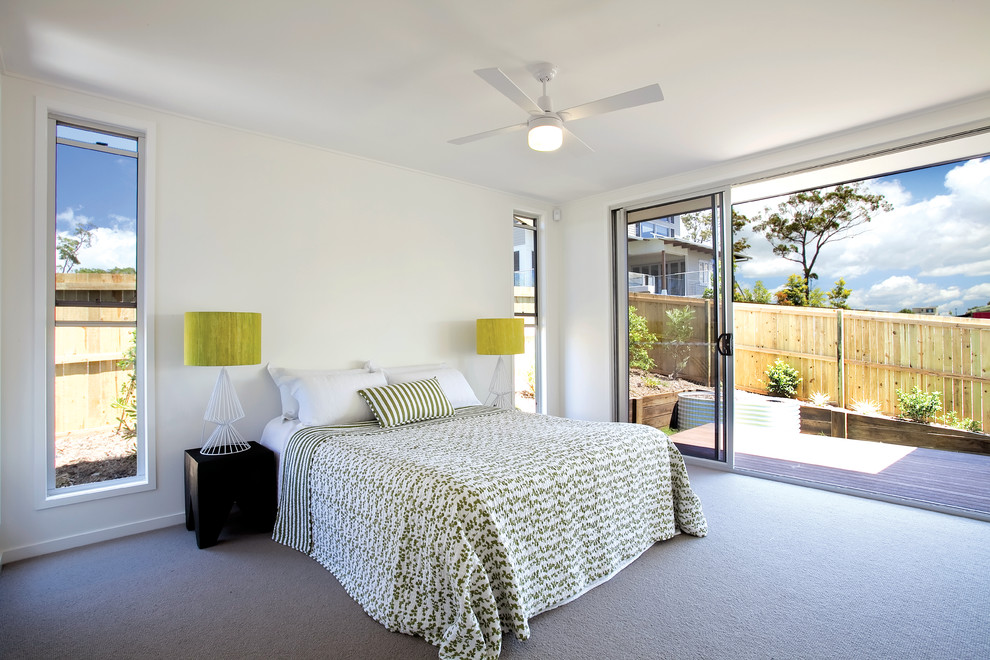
(667, 265)
(978, 312)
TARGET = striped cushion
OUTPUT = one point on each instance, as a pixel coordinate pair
(403, 403)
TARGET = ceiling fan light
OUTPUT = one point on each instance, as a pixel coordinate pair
(546, 133)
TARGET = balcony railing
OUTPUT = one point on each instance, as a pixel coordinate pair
(689, 284)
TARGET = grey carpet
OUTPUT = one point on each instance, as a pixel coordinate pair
(787, 572)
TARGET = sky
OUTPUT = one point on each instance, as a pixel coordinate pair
(931, 250)
(97, 188)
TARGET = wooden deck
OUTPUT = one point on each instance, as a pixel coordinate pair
(942, 478)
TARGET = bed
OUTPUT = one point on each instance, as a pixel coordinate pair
(464, 525)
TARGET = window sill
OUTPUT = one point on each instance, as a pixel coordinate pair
(98, 491)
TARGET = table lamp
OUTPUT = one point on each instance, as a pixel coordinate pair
(501, 337)
(223, 339)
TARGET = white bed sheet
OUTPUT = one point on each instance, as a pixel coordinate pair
(275, 436)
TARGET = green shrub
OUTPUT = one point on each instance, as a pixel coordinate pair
(641, 340)
(651, 381)
(782, 379)
(677, 330)
(126, 403)
(950, 418)
(968, 424)
(918, 405)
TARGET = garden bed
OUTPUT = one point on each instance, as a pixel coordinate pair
(653, 398)
(656, 410)
(842, 423)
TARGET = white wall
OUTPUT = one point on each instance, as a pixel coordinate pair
(584, 307)
(347, 260)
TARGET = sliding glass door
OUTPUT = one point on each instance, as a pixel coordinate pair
(672, 342)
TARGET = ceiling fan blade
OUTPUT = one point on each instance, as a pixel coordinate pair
(630, 99)
(502, 83)
(571, 136)
(486, 134)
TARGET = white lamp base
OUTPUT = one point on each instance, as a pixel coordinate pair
(500, 390)
(224, 409)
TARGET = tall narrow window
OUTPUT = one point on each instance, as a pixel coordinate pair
(95, 198)
(525, 287)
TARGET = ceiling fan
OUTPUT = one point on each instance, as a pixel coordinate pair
(546, 127)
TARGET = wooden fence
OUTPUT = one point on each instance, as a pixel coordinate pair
(700, 366)
(850, 355)
(88, 377)
(867, 356)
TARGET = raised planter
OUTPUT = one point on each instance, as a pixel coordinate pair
(767, 413)
(654, 410)
(840, 423)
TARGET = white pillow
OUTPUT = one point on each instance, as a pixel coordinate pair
(284, 379)
(333, 398)
(452, 381)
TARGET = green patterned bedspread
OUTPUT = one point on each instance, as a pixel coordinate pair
(459, 529)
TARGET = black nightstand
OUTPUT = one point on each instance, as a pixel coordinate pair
(214, 483)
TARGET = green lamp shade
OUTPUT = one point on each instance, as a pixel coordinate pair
(222, 339)
(501, 337)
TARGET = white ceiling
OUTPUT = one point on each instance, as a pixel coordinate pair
(392, 80)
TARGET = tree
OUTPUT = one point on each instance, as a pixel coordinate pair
(697, 228)
(807, 221)
(839, 294)
(759, 294)
(116, 270)
(68, 247)
(794, 293)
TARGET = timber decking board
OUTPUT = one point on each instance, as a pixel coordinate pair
(945, 478)
(926, 475)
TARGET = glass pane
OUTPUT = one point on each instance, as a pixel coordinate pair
(836, 325)
(524, 270)
(96, 196)
(95, 418)
(96, 211)
(525, 306)
(85, 315)
(524, 366)
(523, 221)
(96, 137)
(673, 371)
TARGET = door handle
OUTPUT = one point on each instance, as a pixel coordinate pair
(724, 344)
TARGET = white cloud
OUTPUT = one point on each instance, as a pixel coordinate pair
(895, 193)
(979, 292)
(111, 247)
(122, 222)
(69, 218)
(904, 291)
(973, 269)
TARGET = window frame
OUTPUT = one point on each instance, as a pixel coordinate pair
(46, 115)
(536, 226)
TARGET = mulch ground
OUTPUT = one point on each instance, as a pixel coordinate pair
(658, 383)
(90, 456)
